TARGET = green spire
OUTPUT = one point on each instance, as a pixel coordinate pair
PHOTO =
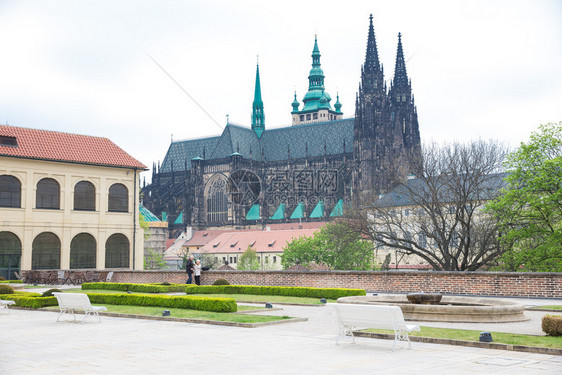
(316, 76)
(258, 117)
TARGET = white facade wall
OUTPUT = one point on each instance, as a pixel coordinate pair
(27, 222)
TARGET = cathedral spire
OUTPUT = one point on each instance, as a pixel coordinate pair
(258, 117)
(316, 76)
(372, 63)
(400, 76)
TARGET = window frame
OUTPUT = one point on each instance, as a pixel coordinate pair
(117, 203)
(84, 195)
(10, 191)
(40, 195)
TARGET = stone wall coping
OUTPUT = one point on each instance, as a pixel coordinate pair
(424, 273)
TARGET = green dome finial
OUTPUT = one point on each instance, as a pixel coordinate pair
(337, 105)
(295, 103)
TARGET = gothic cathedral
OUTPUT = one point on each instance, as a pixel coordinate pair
(304, 172)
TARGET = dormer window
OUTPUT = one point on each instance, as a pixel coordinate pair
(6, 140)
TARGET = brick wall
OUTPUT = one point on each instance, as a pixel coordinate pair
(514, 284)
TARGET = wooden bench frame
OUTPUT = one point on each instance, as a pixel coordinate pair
(4, 303)
(69, 303)
(358, 316)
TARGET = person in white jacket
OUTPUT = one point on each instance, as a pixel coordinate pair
(197, 272)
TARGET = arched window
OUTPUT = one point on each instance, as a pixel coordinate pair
(10, 255)
(217, 200)
(48, 194)
(45, 253)
(10, 192)
(84, 196)
(118, 198)
(117, 251)
(83, 251)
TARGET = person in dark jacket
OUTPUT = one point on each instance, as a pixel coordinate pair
(189, 269)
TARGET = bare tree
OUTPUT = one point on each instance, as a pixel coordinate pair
(438, 215)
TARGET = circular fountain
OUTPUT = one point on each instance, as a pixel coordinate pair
(448, 308)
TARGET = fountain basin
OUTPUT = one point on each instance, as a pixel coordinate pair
(450, 309)
(424, 298)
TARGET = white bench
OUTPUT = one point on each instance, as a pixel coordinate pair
(69, 303)
(4, 303)
(356, 316)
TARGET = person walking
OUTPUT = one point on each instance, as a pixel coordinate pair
(189, 269)
(197, 272)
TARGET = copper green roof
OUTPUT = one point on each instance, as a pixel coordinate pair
(274, 143)
(179, 219)
(147, 215)
(298, 213)
(318, 211)
(279, 213)
(338, 209)
(253, 213)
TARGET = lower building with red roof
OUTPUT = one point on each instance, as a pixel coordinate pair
(67, 201)
(227, 247)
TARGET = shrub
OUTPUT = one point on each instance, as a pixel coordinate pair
(6, 289)
(2, 279)
(165, 283)
(49, 293)
(221, 282)
(140, 288)
(11, 281)
(552, 325)
(34, 301)
(330, 293)
(182, 302)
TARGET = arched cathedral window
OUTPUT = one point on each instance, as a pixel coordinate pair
(217, 200)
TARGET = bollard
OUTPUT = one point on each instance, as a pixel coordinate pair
(486, 337)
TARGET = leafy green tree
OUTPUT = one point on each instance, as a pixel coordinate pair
(154, 260)
(530, 208)
(248, 260)
(335, 245)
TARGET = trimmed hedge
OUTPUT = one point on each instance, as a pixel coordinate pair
(140, 288)
(30, 301)
(182, 302)
(552, 325)
(11, 281)
(330, 293)
(6, 289)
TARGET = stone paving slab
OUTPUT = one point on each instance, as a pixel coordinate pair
(34, 343)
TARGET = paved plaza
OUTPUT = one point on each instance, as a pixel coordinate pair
(34, 343)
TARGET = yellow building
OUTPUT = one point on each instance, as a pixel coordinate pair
(67, 201)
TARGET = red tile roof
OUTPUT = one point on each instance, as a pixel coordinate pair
(202, 237)
(261, 241)
(65, 147)
(291, 226)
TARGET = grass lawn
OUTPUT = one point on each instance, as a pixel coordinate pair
(191, 314)
(470, 335)
(264, 299)
(237, 297)
(550, 307)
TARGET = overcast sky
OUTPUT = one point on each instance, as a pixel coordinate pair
(488, 69)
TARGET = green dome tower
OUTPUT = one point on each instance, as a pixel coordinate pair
(316, 102)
